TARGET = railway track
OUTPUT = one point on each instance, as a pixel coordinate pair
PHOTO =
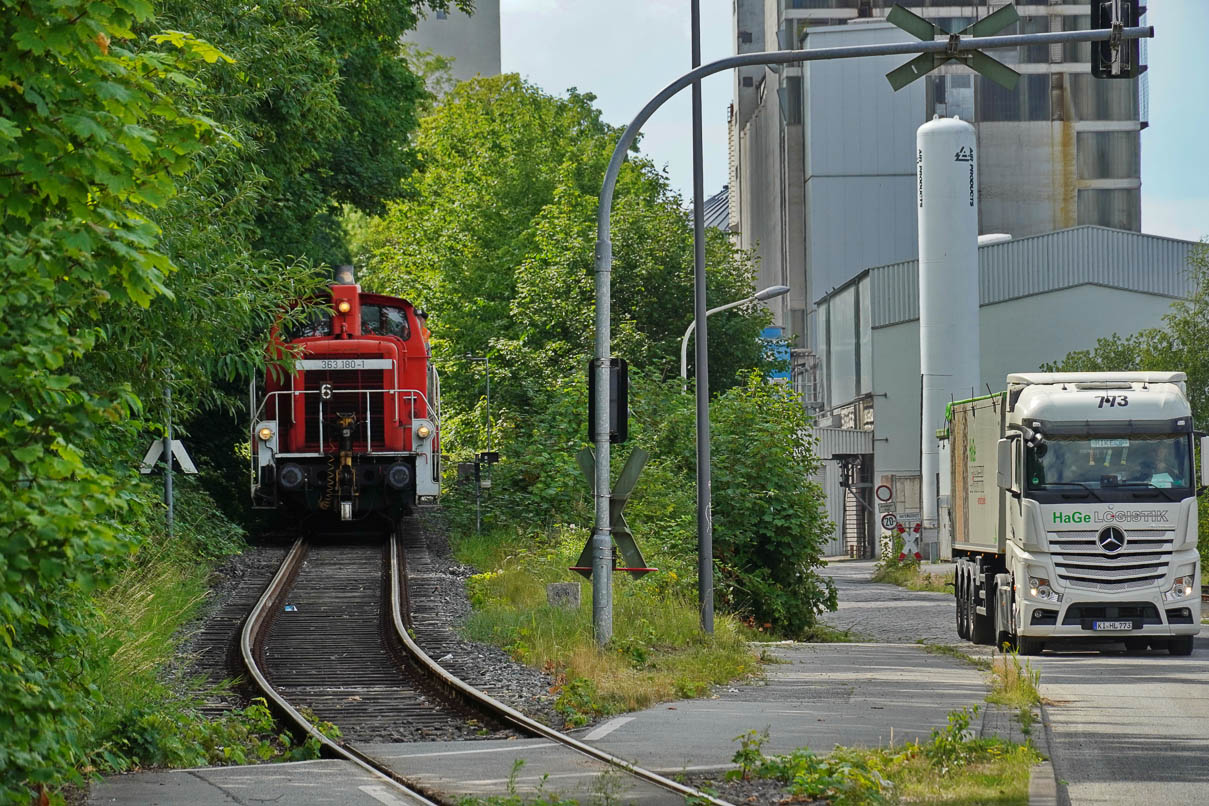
(332, 635)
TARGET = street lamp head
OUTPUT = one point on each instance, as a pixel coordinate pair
(771, 291)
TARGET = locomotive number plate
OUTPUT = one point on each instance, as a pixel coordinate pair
(343, 363)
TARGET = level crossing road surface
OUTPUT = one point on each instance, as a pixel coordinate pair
(1123, 728)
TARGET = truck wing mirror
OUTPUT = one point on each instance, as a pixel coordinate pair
(1205, 461)
(1003, 455)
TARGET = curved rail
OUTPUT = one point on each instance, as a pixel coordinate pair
(509, 715)
(257, 624)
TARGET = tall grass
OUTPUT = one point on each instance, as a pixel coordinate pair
(657, 652)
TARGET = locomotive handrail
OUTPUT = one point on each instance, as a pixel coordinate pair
(413, 394)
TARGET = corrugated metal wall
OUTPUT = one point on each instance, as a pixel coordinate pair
(1147, 264)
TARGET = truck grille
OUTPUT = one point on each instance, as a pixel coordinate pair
(1081, 563)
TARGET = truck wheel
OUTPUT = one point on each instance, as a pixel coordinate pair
(1026, 645)
(983, 627)
(1180, 645)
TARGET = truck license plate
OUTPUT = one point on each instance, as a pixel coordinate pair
(1112, 625)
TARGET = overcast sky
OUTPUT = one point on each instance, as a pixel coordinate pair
(625, 51)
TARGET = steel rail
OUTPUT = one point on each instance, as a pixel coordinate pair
(483, 701)
(254, 628)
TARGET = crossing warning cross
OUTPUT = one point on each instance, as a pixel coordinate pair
(157, 450)
(622, 536)
(925, 63)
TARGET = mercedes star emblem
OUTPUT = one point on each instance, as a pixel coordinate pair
(1111, 539)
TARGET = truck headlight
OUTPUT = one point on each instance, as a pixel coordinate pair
(1180, 589)
(1040, 589)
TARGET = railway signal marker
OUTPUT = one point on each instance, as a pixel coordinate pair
(623, 538)
(978, 61)
(157, 450)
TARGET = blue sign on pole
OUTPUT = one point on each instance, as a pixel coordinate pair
(776, 351)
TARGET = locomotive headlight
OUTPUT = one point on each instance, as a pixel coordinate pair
(423, 431)
(344, 306)
(265, 433)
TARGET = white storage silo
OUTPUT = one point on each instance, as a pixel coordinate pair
(947, 201)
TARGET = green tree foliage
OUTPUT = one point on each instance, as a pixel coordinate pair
(1181, 345)
(155, 185)
(769, 521)
(495, 239)
(90, 145)
(326, 104)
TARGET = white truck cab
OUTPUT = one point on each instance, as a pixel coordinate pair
(1089, 530)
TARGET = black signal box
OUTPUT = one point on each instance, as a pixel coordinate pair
(1123, 61)
(619, 393)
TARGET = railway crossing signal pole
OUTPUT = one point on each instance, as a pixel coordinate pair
(959, 46)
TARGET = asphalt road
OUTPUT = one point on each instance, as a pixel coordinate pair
(1125, 729)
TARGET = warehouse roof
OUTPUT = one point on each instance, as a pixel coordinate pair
(1086, 255)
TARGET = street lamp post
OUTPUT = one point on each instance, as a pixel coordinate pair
(759, 296)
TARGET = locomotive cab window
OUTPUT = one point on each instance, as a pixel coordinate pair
(382, 320)
(394, 323)
(317, 323)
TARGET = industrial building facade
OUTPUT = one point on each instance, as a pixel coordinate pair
(823, 154)
(821, 188)
(1040, 298)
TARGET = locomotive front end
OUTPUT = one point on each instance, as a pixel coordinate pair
(354, 429)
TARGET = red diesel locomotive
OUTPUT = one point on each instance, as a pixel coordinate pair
(355, 429)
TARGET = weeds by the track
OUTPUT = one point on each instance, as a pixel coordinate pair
(657, 653)
(954, 767)
(1014, 684)
(951, 651)
(913, 575)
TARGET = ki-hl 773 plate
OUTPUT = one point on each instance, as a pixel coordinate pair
(1112, 625)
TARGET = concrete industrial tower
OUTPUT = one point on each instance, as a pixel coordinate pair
(823, 154)
(471, 41)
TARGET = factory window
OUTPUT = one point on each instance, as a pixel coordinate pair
(1108, 155)
(1097, 99)
(1119, 209)
(1076, 52)
(824, 335)
(864, 338)
(843, 344)
(1033, 24)
(1029, 101)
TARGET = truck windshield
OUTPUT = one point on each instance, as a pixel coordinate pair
(1090, 462)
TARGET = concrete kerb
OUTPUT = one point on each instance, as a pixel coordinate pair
(1044, 788)
(1002, 721)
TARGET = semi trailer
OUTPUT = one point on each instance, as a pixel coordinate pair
(1072, 511)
